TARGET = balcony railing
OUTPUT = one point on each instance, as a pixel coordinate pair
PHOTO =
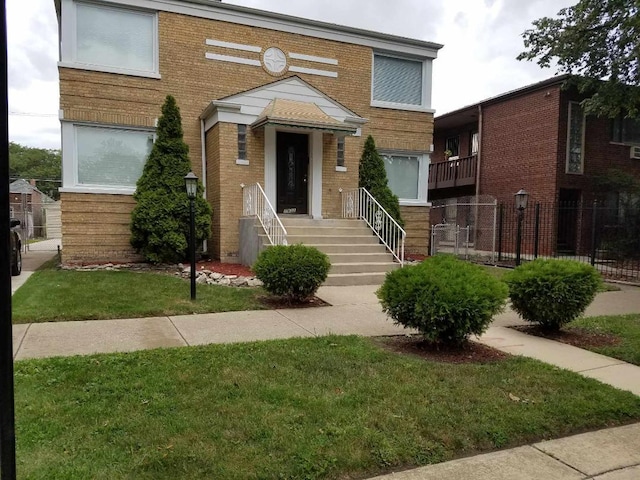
(453, 173)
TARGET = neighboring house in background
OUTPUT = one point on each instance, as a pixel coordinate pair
(536, 138)
(28, 205)
(269, 98)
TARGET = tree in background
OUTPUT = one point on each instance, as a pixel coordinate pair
(599, 40)
(373, 177)
(40, 164)
(160, 220)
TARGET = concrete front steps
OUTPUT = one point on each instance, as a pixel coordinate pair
(356, 256)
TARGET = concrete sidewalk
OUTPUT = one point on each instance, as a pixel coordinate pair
(611, 454)
(37, 254)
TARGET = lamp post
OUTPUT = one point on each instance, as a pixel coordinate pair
(521, 203)
(191, 184)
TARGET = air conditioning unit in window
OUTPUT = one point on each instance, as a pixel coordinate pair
(635, 152)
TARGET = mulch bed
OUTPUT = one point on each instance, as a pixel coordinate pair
(224, 268)
(578, 337)
(277, 303)
(469, 352)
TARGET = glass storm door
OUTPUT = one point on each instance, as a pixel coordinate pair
(292, 173)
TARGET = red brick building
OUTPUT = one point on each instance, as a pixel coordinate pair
(536, 138)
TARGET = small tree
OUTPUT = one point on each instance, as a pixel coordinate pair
(373, 177)
(160, 220)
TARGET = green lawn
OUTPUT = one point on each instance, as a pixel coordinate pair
(627, 327)
(332, 407)
(51, 295)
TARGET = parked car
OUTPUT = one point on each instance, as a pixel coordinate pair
(16, 248)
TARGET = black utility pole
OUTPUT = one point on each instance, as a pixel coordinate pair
(7, 417)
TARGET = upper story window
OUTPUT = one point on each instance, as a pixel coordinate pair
(474, 143)
(452, 146)
(626, 130)
(398, 82)
(108, 38)
(575, 143)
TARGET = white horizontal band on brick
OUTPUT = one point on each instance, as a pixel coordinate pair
(227, 58)
(234, 46)
(311, 58)
(313, 71)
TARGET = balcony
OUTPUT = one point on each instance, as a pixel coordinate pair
(453, 173)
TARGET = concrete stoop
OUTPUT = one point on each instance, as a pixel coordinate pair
(356, 256)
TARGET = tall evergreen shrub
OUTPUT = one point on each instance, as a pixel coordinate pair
(373, 177)
(160, 219)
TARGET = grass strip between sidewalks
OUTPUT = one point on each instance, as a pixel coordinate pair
(626, 327)
(52, 295)
(331, 407)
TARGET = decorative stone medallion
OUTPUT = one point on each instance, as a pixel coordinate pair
(274, 61)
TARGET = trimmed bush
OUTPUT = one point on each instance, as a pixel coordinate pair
(444, 298)
(294, 272)
(552, 292)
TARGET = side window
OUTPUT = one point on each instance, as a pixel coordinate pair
(340, 152)
(242, 142)
(452, 145)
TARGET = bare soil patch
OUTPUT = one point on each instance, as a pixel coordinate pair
(578, 337)
(278, 303)
(469, 352)
(225, 268)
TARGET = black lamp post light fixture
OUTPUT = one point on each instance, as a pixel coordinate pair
(522, 199)
(191, 184)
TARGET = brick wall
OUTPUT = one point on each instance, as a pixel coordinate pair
(195, 81)
(520, 146)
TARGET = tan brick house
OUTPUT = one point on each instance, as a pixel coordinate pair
(265, 98)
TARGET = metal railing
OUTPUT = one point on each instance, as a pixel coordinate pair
(360, 204)
(255, 203)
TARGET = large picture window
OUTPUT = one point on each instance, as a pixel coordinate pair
(397, 81)
(407, 175)
(114, 39)
(104, 158)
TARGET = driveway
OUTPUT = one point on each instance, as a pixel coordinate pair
(32, 259)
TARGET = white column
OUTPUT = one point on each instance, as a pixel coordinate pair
(270, 164)
(315, 168)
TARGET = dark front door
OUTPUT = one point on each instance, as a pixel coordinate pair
(292, 172)
(568, 209)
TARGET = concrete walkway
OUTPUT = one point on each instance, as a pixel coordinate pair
(611, 454)
(38, 253)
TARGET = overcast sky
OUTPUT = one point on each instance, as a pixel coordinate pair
(481, 40)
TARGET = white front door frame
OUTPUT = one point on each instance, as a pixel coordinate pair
(315, 168)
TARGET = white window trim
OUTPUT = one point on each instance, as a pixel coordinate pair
(424, 159)
(70, 182)
(426, 85)
(68, 48)
(582, 141)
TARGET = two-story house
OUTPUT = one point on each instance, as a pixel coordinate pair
(265, 98)
(539, 139)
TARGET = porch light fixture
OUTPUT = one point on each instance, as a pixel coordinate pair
(191, 185)
(522, 198)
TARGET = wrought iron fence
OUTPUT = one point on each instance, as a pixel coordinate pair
(607, 237)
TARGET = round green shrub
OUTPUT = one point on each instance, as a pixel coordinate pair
(294, 271)
(552, 292)
(444, 298)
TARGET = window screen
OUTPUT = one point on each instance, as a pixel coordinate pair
(397, 80)
(403, 173)
(115, 37)
(110, 156)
